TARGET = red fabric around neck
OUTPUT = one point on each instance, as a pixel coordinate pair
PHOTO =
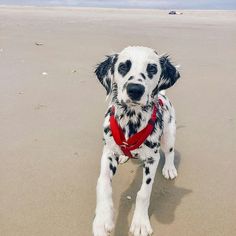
(137, 139)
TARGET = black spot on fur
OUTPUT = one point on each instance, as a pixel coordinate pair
(108, 112)
(131, 77)
(148, 181)
(110, 159)
(139, 116)
(121, 116)
(130, 113)
(133, 127)
(150, 144)
(144, 77)
(140, 80)
(170, 119)
(151, 70)
(136, 155)
(124, 67)
(150, 160)
(104, 141)
(159, 121)
(147, 170)
(171, 149)
(147, 108)
(156, 150)
(113, 169)
(106, 129)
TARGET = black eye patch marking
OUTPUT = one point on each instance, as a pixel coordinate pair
(124, 67)
(151, 70)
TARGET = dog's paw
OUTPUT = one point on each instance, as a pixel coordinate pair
(169, 171)
(123, 159)
(141, 226)
(102, 225)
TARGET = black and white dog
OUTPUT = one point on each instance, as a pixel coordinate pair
(135, 79)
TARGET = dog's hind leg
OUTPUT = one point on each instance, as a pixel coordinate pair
(140, 225)
(103, 221)
(167, 145)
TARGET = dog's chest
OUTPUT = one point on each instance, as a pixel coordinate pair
(131, 124)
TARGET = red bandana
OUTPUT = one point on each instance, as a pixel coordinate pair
(137, 139)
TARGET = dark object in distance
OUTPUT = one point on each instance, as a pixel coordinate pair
(175, 13)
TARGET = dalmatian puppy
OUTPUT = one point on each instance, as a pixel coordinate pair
(135, 79)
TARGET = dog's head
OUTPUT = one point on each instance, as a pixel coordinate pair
(135, 75)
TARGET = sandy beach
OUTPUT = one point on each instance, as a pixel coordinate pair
(52, 110)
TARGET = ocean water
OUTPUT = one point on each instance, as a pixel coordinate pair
(152, 4)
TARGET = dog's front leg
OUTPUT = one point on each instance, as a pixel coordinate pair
(140, 225)
(103, 221)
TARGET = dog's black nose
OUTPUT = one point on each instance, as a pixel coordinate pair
(135, 91)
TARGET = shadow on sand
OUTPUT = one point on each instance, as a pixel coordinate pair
(164, 199)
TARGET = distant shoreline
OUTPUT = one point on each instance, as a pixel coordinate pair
(164, 5)
(2, 6)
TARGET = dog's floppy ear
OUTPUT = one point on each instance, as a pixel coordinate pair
(105, 70)
(169, 74)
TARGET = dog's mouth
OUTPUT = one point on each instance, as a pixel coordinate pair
(131, 103)
(142, 102)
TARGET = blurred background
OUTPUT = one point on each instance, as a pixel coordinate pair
(159, 4)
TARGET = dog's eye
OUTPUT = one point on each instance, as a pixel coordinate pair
(151, 70)
(124, 67)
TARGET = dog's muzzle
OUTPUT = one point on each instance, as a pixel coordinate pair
(135, 91)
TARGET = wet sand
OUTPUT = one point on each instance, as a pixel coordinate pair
(52, 111)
